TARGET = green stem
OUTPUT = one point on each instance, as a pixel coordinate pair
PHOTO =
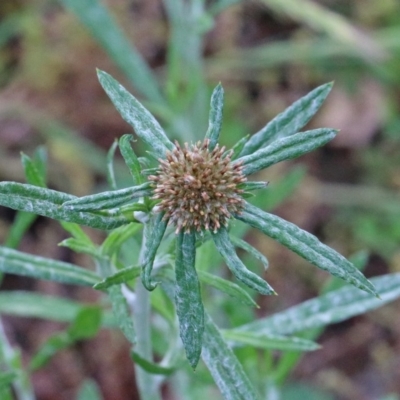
(21, 385)
(147, 385)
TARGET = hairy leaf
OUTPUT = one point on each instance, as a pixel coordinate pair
(305, 245)
(285, 149)
(133, 112)
(19, 263)
(227, 250)
(106, 200)
(189, 306)
(289, 121)
(329, 308)
(215, 118)
(48, 203)
(224, 367)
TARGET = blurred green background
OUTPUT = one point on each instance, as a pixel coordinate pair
(171, 54)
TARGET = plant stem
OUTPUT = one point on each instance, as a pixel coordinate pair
(147, 385)
(10, 357)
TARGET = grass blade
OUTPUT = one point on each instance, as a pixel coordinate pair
(97, 19)
(305, 245)
(189, 306)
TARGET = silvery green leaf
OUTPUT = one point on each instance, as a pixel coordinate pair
(269, 341)
(121, 313)
(189, 306)
(227, 250)
(19, 263)
(289, 121)
(224, 367)
(305, 245)
(215, 118)
(133, 112)
(48, 203)
(154, 233)
(107, 200)
(286, 148)
(230, 288)
(329, 308)
(130, 158)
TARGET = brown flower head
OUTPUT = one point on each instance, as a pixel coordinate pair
(198, 187)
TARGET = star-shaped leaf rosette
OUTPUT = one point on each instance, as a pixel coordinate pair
(199, 188)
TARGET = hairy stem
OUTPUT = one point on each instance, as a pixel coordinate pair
(147, 385)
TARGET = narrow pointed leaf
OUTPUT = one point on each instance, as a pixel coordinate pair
(269, 341)
(215, 117)
(121, 312)
(285, 149)
(150, 367)
(117, 237)
(329, 308)
(251, 250)
(305, 245)
(32, 172)
(130, 158)
(80, 246)
(189, 306)
(224, 367)
(238, 147)
(48, 203)
(122, 276)
(21, 223)
(230, 288)
(110, 199)
(227, 250)
(133, 112)
(110, 166)
(289, 121)
(100, 23)
(154, 232)
(251, 185)
(19, 263)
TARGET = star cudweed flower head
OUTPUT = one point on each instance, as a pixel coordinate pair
(200, 188)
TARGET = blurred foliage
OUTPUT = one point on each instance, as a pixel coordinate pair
(267, 53)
